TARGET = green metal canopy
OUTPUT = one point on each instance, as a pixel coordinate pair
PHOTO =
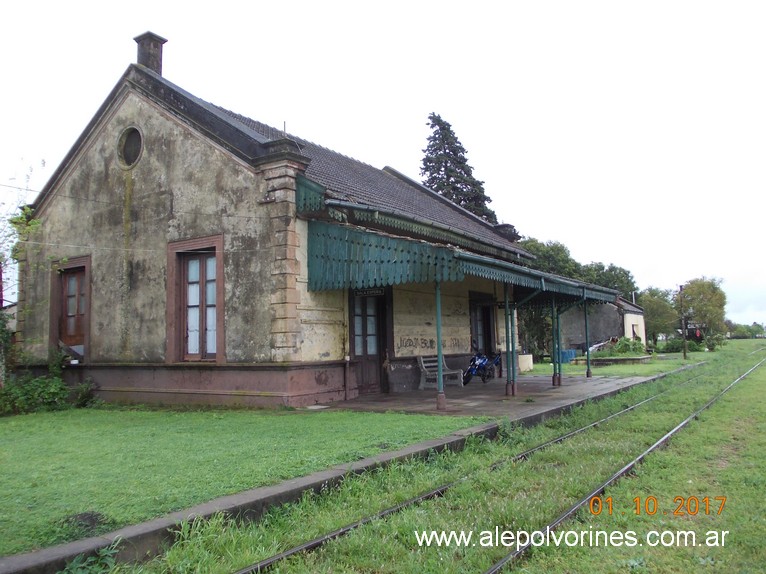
(344, 256)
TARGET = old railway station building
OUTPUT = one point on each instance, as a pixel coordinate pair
(188, 254)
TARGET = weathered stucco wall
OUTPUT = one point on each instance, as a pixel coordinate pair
(415, 312)
(500, 323)
(415, 320)
(182, 187)
(323, 314)
(414, 328)
(635, 324)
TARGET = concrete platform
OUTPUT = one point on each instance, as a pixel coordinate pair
(535, 396)
(536, 399)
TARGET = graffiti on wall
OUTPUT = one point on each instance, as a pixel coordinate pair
(425, 345)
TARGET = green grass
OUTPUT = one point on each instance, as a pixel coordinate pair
(119, 467)
(656, 365)
(526, 496)
(724, 454)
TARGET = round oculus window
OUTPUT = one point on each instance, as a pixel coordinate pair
(131, 144)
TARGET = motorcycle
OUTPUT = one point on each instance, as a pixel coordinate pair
(481, 365)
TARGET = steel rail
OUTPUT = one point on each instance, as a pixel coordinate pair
(619, 474)
(527, 453)
(265, 564)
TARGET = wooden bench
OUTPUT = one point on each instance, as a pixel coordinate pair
(429, 373)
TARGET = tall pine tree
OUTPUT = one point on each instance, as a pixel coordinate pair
(446, 171)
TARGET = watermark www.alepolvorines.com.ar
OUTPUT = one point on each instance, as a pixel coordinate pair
(519, 539)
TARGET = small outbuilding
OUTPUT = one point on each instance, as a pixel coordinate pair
(612, 320)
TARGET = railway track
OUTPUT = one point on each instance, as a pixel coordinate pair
(626, 469)
(315, 543)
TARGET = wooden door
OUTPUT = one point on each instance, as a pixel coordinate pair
(73, 309)
(368, 341)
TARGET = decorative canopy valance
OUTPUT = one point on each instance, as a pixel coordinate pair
(344, 256)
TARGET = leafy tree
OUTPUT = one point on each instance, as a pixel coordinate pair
(534, 331)
(613, 277)
(703, 302)
(660, 317)
(744, 331)
(12, 208)
(8, 239)
(534, 323)
(17, 228)
(552, 257)
(740, 332)
(446, 171)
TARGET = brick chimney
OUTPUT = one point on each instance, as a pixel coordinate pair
(150, 51)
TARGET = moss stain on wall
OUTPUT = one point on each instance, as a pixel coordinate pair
(127, 207)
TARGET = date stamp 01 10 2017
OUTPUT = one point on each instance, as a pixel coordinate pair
(682, 506)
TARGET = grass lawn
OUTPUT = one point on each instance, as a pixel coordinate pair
(132, 465)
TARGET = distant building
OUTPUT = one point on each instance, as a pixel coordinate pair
(610, 320)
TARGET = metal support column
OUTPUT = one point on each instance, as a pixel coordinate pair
(510, 347)
(441, 399)
(558, 344)
(514, 356)
(516, 305)
(588, 373)
(554, 348)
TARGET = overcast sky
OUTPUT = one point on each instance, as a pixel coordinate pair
(632, 132)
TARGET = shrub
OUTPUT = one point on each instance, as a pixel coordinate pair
(25, 393)
(85, 394)
(28, 394)
(695, 347)
(712, 342)
(626, 345)
(623, 346)
(674, 345)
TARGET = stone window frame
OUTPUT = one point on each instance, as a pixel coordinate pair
(177, 252)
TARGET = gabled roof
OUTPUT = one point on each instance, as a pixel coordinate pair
(352, 184)
(355, 182)
(629, 307)
(345, 179)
